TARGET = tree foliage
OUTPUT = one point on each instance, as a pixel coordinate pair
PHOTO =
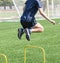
(6, 2)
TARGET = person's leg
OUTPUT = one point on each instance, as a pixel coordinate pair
(37, 28)
(26, 26)
(27, 32)
(20, 32)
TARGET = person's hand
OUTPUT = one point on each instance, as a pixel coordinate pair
(53, 22)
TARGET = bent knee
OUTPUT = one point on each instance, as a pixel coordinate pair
(41, 29)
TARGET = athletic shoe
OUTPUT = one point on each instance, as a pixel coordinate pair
(27, 31)
(20, 33)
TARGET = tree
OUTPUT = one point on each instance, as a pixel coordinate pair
(6, 3)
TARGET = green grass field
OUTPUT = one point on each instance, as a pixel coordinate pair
(13, 48)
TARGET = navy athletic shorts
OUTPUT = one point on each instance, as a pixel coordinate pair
(29, 25)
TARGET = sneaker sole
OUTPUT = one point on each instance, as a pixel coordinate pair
(18, 34)
(27, 35)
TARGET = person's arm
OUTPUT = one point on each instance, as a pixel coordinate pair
(45, 16)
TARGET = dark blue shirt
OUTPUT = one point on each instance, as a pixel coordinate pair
(31, 8)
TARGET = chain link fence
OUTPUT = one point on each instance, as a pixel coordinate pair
(10, 13)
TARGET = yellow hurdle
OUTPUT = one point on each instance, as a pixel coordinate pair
(43, 51)
(3, 55)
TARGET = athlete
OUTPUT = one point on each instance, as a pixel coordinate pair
(28, 21)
